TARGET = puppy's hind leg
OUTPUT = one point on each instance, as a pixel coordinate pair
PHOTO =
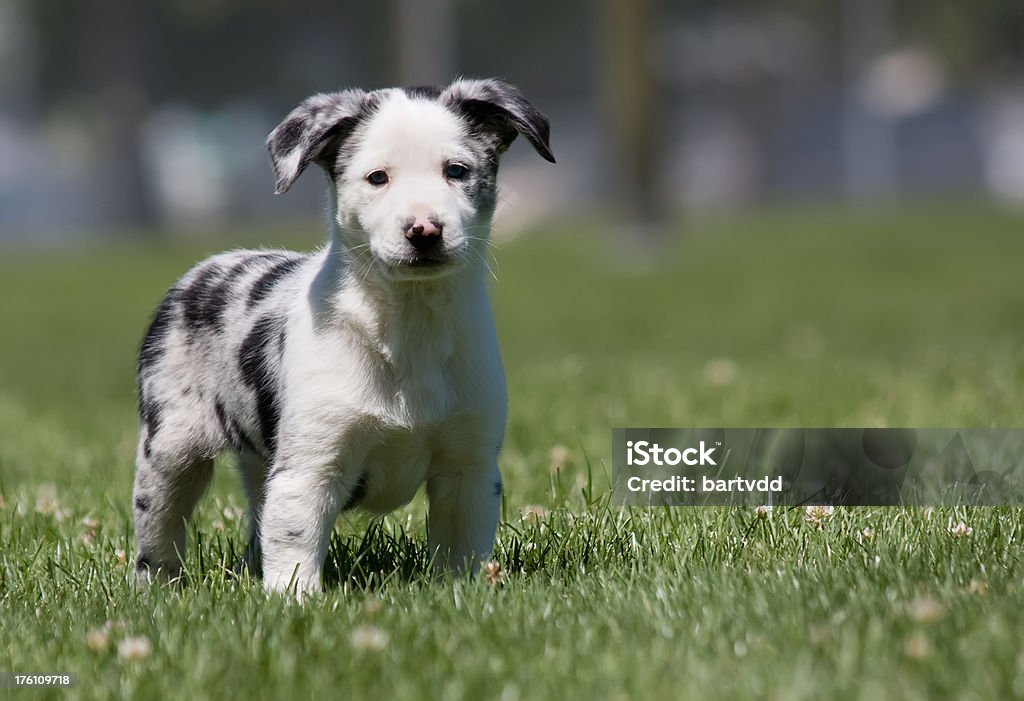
(168, 484)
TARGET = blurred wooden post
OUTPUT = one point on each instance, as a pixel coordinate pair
(629, 91)
(116, 39)
(869, 140)
(425, 41)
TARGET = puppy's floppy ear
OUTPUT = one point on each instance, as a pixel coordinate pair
(303, 137)
(496, 107)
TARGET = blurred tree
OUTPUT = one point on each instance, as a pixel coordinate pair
(114, 53)
(425, 40)
(969, 37)
(629, 91)
(18, 47)
(870, 166)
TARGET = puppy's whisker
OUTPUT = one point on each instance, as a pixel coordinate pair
(364, 269)
(487, 242)
(474, 256)
(478, 227)
(502, 199)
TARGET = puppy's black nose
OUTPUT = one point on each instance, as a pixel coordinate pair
(423, 234)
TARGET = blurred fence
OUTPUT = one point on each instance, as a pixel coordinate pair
(127, 114)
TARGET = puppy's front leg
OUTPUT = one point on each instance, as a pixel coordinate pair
(302, 504)
(463, 516)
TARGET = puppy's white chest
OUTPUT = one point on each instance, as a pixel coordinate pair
(417, 397)
(409, 431)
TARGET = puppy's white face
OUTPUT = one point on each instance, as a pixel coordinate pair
(413, 170)
(412, 163)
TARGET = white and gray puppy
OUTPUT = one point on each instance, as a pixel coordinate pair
(350, 376)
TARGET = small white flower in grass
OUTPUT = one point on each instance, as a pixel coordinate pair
(720, 372)
(370, 638)
(134, 649)
(493, 574)
(867, 533)
(232, 513)
(763, 511)
(534, 513)
(121, 555)
(46, 499)
(372, 606)
(978, 586)
(819, 634)
(917, 646)
(92, 527)
(818, 516)
(960, 530)
(926, 609)
(99, 638)
(560, 456)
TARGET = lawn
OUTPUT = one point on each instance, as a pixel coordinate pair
(790, 317)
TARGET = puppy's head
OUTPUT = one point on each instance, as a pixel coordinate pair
(413, 170)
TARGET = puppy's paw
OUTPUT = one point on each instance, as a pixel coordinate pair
(291, 584)
(148, 572)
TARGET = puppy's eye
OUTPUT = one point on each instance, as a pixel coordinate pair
(455, 171)
(377, 178)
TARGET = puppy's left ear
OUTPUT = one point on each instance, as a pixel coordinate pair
(498, 108)
(306, 134)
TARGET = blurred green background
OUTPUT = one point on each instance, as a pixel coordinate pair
(807, 316)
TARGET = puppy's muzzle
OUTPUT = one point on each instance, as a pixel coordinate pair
(424, 234)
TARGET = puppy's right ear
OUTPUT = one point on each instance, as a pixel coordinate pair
(305, 134)
(499, 108)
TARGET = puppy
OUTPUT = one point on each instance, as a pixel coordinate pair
(350, 376)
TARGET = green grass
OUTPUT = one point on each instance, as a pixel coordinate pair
(823, 317)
